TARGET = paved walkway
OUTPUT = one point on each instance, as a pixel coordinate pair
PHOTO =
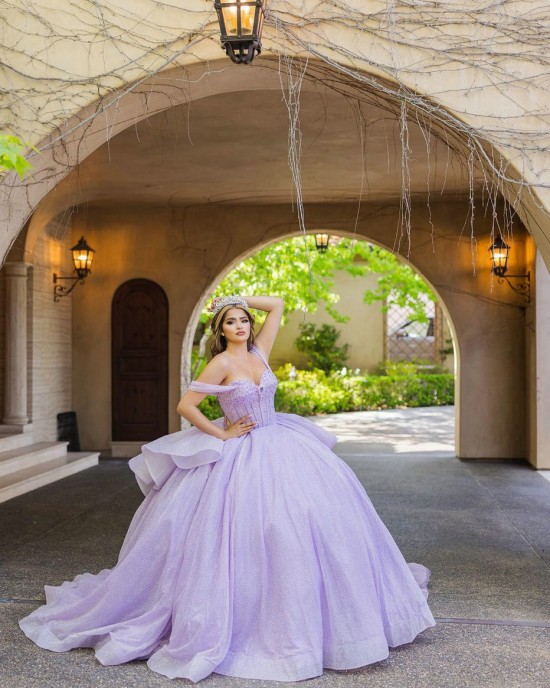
(482, 528)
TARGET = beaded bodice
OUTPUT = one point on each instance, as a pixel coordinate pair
(244, 397)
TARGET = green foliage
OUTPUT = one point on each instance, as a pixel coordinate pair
(210, 407)
(404, 368)
(319, 344)
(315, 392)
(11, 155)
(304, 278)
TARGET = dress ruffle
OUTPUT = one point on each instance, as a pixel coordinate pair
(191, 448)
(185, 449)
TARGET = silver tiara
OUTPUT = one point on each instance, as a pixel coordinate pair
(222, 301)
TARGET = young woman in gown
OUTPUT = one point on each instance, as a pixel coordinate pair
(256, 552)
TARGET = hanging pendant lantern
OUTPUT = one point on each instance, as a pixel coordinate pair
(241, 23)
(321, 242)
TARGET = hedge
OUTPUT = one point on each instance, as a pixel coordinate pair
(314, 391)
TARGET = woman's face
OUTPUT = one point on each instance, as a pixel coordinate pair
(236, 325)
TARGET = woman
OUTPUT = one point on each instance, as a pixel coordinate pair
(256, 552)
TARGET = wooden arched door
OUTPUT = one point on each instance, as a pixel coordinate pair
(139, 361)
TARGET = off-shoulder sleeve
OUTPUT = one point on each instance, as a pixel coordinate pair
(205, 388)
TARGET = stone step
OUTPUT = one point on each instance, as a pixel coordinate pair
(28, 456)
(15, 429)
(29, 479)
(9, 442)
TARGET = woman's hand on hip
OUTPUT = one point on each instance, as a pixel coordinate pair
(239, 427)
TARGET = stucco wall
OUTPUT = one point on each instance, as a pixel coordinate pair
(2, 338)
(56, 100)
(540, 454)
(187, 250)
(49, 332)
(364, 331)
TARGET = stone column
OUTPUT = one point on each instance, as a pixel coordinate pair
(15, 379)
(543, 363)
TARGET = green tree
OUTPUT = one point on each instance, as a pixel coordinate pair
(304, 278)
(11, 155)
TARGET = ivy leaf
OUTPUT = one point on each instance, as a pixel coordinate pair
(11, 155)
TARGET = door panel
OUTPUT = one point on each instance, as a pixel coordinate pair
(139, 362)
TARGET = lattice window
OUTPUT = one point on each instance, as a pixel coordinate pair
(407, 339)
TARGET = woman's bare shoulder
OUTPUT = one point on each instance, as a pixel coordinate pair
(217, 368)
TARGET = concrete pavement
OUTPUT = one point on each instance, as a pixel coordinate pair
(482, 528)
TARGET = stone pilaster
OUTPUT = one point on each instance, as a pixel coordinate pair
(543, 363)
(15, 381)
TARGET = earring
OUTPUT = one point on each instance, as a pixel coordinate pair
(222, 334)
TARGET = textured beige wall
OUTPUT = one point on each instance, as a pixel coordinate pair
(364, 332)
(2, 338)
(129, 243)
(541, 456)
(187, 250)
(57, 99)
(49, 337)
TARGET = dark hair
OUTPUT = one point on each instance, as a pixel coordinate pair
(219, 343)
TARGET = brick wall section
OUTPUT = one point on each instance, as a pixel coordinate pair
(50, 339)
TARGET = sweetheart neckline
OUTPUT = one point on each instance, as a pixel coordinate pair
(243, 379)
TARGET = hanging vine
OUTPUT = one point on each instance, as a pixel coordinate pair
(58, 60)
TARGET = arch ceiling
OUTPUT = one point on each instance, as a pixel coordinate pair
(165, 93)
(233, 148)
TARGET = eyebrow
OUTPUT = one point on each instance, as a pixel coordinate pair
(242, 317)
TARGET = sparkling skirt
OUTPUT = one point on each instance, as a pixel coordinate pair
(258, 557)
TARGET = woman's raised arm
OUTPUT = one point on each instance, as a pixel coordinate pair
(275, 308)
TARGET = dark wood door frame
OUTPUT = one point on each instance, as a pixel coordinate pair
(139, 373)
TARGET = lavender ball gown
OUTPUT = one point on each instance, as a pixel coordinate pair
(259, 557)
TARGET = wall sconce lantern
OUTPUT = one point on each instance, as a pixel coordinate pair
(83, 256)
(241, 23)
(321, 242)
(499, 267)
(499, 257)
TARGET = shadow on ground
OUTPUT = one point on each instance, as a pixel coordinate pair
(482, 528)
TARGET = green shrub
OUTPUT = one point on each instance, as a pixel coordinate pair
(319, 344)
(404, 368)
(318, 392)
(210, 407)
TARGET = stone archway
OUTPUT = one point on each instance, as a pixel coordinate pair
(188, 338)
(83, 133)
(214, 250)
(187, 342)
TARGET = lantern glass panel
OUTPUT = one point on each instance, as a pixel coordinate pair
(321, 242)
(83, 256)
(231, 16)
(499, 256)
(259, 21)
(82, 260)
